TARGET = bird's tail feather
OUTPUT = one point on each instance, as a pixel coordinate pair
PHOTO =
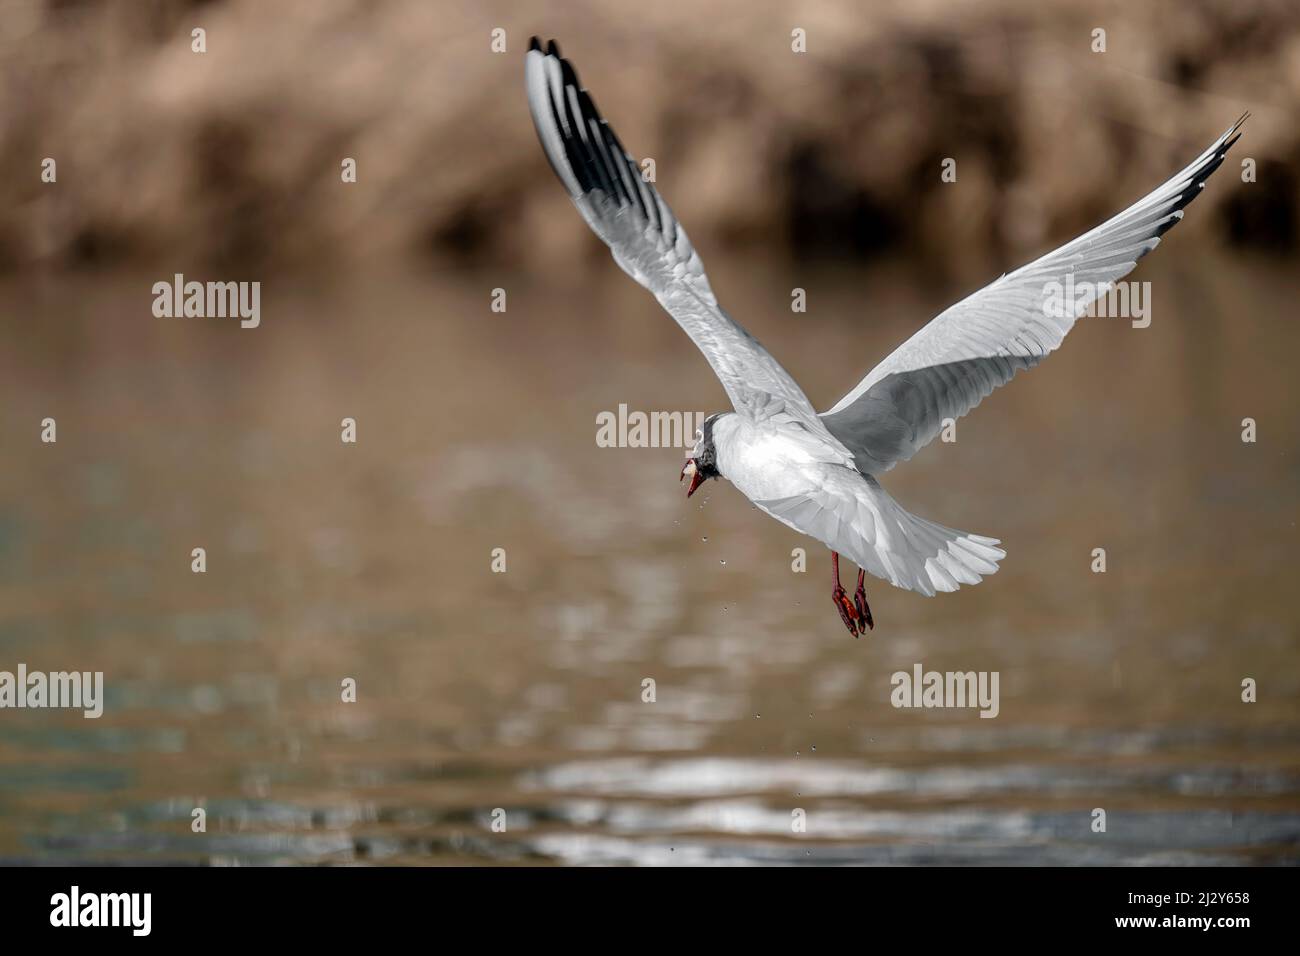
(873, 530)
(924, 556)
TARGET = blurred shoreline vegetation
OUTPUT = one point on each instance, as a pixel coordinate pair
(231, 158)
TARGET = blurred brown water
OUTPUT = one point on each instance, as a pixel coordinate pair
(522, 690)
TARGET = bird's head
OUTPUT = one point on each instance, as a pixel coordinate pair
(702, 463)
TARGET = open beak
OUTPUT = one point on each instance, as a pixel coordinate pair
(690, 471)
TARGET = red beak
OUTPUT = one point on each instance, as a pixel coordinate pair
(690, 470)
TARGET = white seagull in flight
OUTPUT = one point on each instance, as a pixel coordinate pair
(817, 472)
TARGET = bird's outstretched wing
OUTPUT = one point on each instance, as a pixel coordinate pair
(626, 211)
(950, 365)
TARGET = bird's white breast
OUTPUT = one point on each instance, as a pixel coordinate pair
(763, 462)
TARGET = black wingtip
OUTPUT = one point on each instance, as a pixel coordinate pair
(535, 44)
(568, 74)
(1234, 131)
(588, 107)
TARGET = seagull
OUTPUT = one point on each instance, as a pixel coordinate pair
(817, 473)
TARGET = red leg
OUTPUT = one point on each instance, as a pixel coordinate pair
(848, 613)
(860, 601)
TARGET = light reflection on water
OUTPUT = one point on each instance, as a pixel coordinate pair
(523, 690)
